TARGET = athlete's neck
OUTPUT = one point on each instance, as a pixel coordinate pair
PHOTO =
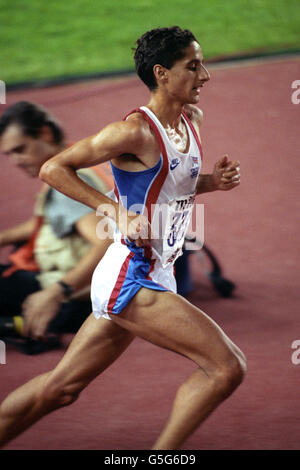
(168, 112)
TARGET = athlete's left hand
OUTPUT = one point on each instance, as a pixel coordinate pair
(135, 227)
(226, 174)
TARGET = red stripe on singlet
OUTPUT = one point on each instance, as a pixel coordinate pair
(197, 138)
(119, 282)
(161, 176)
(152, 265)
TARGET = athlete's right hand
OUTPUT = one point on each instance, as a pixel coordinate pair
(135, 227)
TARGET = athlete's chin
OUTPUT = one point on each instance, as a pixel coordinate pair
(194, 99)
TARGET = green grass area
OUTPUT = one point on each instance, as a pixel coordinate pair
(50, 39)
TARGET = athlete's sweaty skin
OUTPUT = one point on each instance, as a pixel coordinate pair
(163, 318)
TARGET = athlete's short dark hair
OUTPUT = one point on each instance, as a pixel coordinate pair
(162, 46)
(31, 118)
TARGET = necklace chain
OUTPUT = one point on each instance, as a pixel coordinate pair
(179, 139)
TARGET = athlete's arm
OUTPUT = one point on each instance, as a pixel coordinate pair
(114, 141)
(225, 176)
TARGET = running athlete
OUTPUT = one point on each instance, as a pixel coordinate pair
(155, 154)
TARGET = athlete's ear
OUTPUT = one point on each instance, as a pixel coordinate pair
(46, 134)
(160, 73)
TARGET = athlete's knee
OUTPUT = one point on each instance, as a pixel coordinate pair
(230, 374)
(58, 393)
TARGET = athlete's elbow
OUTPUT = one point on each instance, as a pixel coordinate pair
(48, 172)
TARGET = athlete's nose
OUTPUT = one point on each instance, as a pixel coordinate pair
(204, 74)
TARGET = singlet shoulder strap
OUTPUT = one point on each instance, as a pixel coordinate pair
(163, 172)
(194, 132)
(152, 126)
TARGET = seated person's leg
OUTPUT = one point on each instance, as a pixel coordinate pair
(70, 317)
(13, 291)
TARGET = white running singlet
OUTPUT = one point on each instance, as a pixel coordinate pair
(165, 193)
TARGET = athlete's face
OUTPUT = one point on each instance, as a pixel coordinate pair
(188, 75)
(27, 152)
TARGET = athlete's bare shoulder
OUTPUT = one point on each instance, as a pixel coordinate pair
(141, 143)
(194, 113)
(145, 136)
(139, 126)
(131, 134)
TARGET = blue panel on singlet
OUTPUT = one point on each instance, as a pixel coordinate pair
(136, 278)
(135, 185)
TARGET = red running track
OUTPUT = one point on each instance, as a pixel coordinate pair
(254, 230)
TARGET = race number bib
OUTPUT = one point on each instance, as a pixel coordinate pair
(178, 219)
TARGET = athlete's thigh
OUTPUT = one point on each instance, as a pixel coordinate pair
(170, 321)
(98, 343)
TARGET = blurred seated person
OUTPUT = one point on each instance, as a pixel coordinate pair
(44, 289)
